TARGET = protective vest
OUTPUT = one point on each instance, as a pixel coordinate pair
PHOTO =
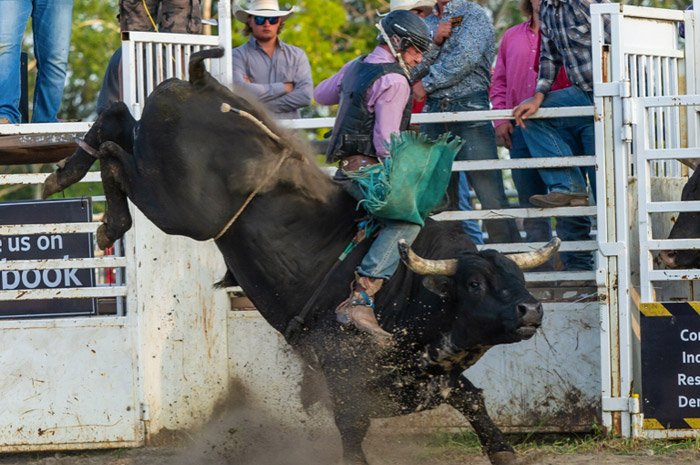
(352, 134)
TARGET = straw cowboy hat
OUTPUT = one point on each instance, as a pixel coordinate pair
(425, 5)
(266, 8)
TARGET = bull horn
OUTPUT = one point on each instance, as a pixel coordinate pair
(537, 257)
(423, 266)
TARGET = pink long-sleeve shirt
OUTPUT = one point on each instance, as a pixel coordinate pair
(386, 98)
(514, 78)
(515, 75)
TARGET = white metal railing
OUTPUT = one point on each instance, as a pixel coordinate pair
(150, 58)
(504, 164)
(642, 60)
(648, 149)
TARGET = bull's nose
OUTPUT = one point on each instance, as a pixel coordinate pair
(530, 313)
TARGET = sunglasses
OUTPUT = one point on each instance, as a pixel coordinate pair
(260, 20)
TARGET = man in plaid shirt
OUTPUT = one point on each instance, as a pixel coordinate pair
(566, 41)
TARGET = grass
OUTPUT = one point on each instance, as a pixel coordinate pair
(593, 442)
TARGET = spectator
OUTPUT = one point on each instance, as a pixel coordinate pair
(176, 16)
(422, 8)
(51, 27)
(456, 77)
(111, 90)
(276, 73)
(566, 41)
(514, 80)
(374, 94)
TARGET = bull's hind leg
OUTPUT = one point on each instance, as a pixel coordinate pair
(117, 219)
(468, 399)
(116, 124)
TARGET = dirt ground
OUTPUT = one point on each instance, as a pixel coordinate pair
(381, 449)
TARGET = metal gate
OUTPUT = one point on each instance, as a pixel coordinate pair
(644, 122)
(90, 382)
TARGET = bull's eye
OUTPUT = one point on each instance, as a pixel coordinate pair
(474, 285)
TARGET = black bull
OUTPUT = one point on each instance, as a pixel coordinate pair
(189, 167)
(687, 226)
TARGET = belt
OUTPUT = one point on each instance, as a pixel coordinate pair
(355, 162)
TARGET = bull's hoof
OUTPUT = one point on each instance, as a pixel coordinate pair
(51, 186)
(103, 241)
(503, 458)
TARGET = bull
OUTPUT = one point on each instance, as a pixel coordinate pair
(281, 224)
(687, 226)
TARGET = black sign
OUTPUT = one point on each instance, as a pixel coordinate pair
(46, 246)
(670, 337)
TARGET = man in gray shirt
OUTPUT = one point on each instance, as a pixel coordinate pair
(278, 74)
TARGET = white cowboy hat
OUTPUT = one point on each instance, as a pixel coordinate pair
(266, 8)
(425, 5)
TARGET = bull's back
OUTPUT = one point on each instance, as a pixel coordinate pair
(183, 160)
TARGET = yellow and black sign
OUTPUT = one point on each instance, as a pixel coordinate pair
(670, 337)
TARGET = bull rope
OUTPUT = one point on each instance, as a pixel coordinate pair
(225, 108)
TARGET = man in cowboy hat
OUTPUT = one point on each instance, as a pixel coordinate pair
(278, 74)
(422, 8)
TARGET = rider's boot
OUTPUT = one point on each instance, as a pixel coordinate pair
(358, 309)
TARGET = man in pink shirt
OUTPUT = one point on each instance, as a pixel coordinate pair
(374, 97)
(514, 80)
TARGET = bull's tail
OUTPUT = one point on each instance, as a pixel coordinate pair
(199, 75)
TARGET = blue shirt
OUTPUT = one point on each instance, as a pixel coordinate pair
(566, 41)
(268, 75)
(462, 64)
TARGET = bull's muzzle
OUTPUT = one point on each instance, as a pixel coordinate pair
(448, 267)
(529, 319)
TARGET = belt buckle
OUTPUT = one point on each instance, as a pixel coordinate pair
(444, 103)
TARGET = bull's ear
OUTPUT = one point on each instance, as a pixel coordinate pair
(439, 285)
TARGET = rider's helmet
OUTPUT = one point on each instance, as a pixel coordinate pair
(409, 28)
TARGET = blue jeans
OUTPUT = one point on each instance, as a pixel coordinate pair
(547, 138)
(51, 25)
(574, 228)
(382, 258)
(470, 227)
(480, 145)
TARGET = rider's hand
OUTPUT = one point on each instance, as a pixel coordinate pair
(288, 87)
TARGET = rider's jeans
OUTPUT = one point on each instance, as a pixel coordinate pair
(382, 258)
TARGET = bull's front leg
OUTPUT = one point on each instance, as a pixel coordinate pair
(468, 399)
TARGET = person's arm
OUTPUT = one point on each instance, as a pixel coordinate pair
(461, 53)
(303, 88)
(550, 61)
(499, 82)
(327, 92)
(264, 92)
(390, 94)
